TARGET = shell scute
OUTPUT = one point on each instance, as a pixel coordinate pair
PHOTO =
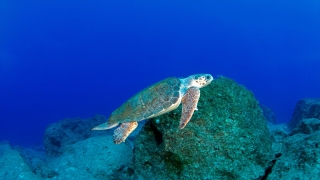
(176, 94)
(176, 88)
(166, 104)
(174, 100)
(149, 102)
(172, 81)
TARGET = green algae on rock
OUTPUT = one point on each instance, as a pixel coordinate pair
(227, 138)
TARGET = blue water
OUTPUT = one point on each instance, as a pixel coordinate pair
(70, 59)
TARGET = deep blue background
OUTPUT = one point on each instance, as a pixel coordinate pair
(80, 58)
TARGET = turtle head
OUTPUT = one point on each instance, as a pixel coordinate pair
(200, 80)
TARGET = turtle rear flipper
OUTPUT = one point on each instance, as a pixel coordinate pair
(122, 132)
(105, 126)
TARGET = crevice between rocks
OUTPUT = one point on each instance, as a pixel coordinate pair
(268, 170)
(157, 134)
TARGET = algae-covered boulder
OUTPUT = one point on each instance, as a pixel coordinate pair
(227, 138)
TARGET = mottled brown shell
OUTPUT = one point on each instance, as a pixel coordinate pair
(150, 102)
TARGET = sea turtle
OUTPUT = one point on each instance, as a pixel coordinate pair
(156, 100)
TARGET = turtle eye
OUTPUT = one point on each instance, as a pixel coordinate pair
(208, 77)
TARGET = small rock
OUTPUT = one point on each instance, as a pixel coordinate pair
(279, 131)
(307, 126)
(305, 108)
(69, 131)
(12, 164)
(93, 158)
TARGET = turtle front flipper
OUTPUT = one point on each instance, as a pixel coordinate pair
(122, 132)
(189, 104)
(105, 126)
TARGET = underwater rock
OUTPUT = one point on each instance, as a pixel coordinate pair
(227, 138)
(12, 164)
(93, 158)
(298, 157)
(278, 131)
(268, 114)
(305, 108)
(307, 126)
(69, 131)
(35, 158)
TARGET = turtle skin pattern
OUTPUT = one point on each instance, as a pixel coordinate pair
(150, 102)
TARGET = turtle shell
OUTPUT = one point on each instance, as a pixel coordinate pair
(153, 101)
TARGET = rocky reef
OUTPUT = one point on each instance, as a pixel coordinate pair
(231, 136)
